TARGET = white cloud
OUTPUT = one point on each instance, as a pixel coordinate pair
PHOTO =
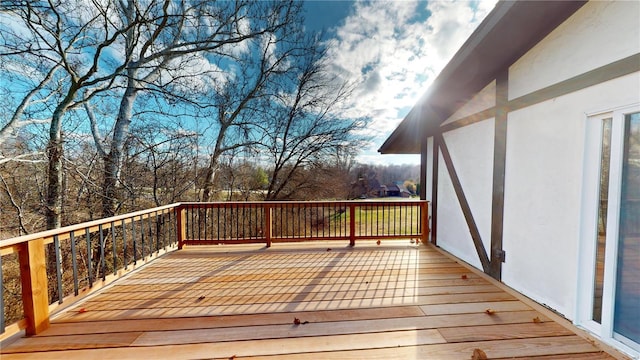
(395, 54)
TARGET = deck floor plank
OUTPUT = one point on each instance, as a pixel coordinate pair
(387, 302)
(389, 345)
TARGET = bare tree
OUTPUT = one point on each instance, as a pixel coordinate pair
(304, 123)
(69, 42)
(237, 104)
(170, 46)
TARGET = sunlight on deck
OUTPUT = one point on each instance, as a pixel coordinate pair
(391, 301)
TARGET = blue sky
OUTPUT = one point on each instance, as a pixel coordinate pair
(394, 49)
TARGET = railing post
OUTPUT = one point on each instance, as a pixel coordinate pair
(181, 228)
(268, 211)
(424, 212)
(352, 225)
(33, 276)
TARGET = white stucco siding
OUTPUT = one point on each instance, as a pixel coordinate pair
(543, 185)
(471, 150)
(599, 33)
(541, 210)
(483, 100)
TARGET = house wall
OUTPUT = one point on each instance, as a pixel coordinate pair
(545, 144)
(543, 187)
(544, 154)
(599, 33)
(471, 149)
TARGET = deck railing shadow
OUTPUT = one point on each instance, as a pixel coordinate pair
(51, 270)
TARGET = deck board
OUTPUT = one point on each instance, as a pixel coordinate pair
(385, 302)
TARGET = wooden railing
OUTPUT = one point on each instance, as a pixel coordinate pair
(55, 268)
(269, 222)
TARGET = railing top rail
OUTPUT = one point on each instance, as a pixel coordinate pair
(362, 201)
(51, 233)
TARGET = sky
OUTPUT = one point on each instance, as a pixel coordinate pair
(394, 49)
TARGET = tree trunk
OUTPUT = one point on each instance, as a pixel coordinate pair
(55, 152)
(54, 158)
(54, 184)
(210, 177)
(113, 159)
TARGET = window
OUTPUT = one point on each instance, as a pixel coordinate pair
(601, 237)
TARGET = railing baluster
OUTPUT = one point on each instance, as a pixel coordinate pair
(196, 214)
(74, 263)
(56, 248)
(186, 221)
(225, 219)
(163, 228)
(268, 223)
(143, 257)
(411, 220)
(89, 257)
(174, 227)
(133, 240)
(115, 249)
(168, 229)
(150, 228)
(377, 220)
(394, 219)
(306, 223)
(203, 213)
(326, 212)
(194, 224)
(102, 248)
(217, 222)
(250, 228)
(352, 225)
(124, 245)
(158, 232)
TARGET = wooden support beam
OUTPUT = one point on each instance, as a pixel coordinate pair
(499, 163)
(464, 204)
(424, 211)
(434, 193)
(424, 153)
(181, 226)
(33, 276)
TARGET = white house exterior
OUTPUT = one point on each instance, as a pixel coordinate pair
(518, 135)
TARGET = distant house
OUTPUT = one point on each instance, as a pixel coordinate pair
(395, 189)
(530, 148)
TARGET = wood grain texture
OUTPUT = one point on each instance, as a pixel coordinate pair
(402, 302)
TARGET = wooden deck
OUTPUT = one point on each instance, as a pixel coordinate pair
(368, 302)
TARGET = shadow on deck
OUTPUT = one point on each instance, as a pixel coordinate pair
(305, 301)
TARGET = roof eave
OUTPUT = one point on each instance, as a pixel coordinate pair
(507, 33)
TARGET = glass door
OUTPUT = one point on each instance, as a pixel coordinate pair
(609, 294)
(626, 322)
